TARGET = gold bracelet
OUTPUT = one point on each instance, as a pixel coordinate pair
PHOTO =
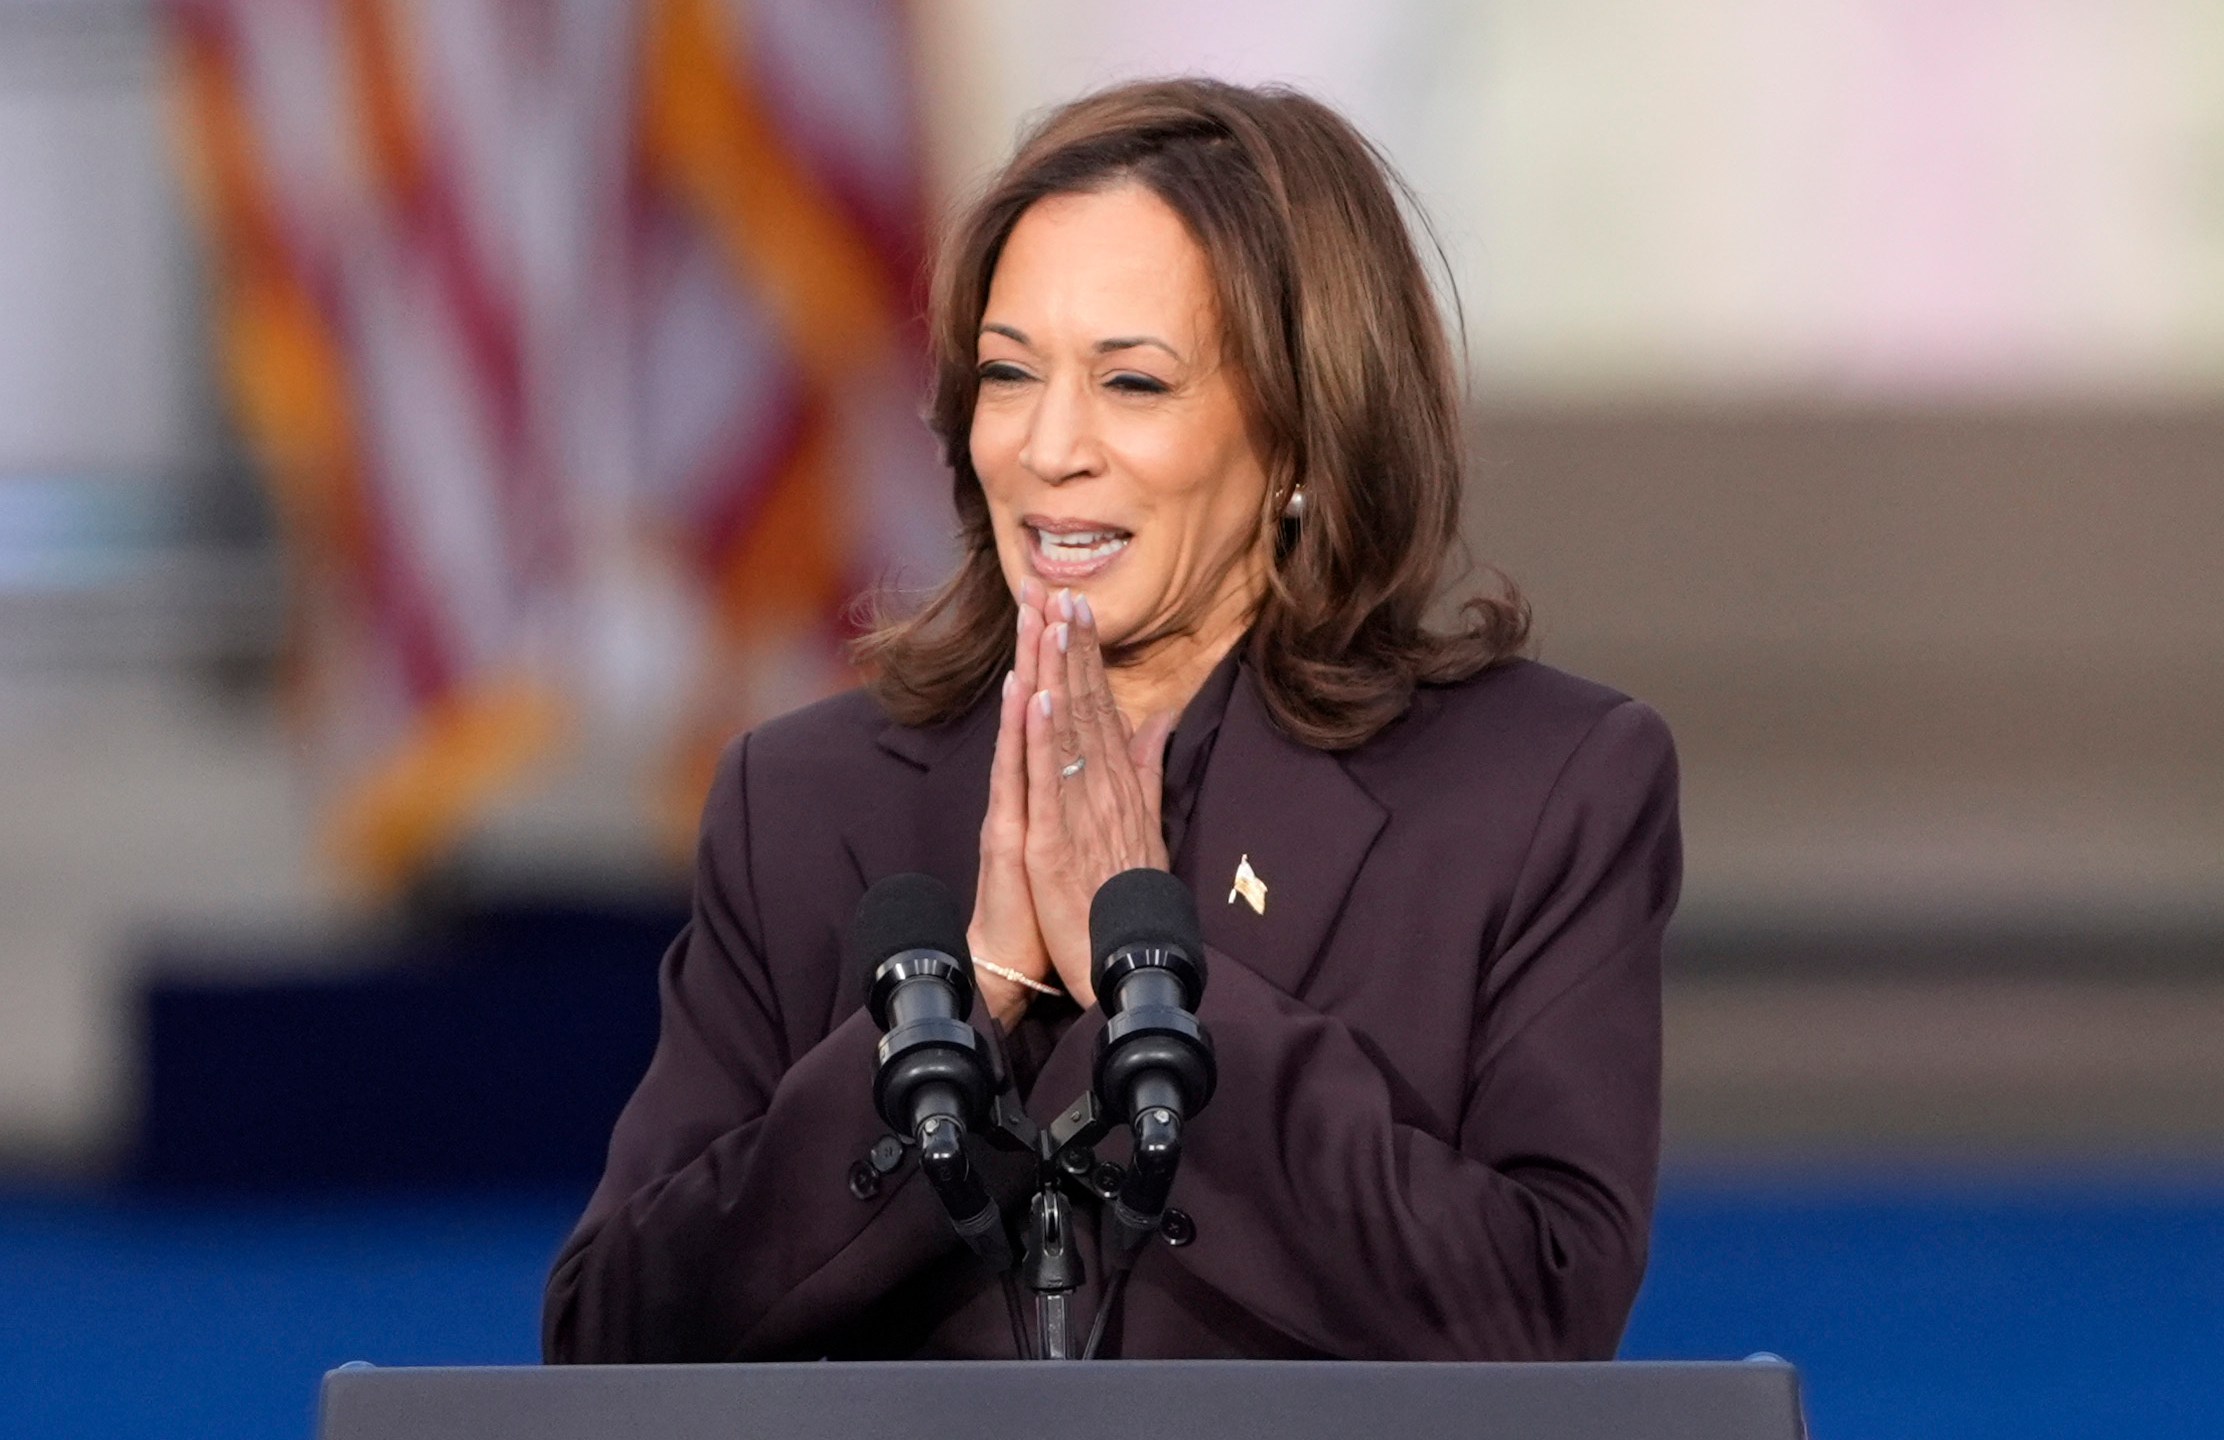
(1005, 973)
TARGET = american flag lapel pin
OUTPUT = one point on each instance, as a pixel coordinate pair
(1249, 886)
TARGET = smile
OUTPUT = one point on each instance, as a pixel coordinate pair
(1065, 551)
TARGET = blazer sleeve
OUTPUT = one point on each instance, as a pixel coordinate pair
(1360, 1235)
(723, 1227)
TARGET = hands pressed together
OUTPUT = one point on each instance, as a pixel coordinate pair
(1073, 799)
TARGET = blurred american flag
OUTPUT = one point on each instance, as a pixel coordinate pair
(578, 341)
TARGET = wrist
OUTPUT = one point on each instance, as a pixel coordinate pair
(1005, 1002)
(1006, 992)
(987, 969)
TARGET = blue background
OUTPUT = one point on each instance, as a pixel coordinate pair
(1916, 1306)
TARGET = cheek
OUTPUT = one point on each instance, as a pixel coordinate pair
(994, 445)
(986, 443)
(1218, 502)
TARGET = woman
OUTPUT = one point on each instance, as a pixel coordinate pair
(1201, 413)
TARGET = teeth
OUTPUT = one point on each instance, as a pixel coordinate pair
(1081, 544)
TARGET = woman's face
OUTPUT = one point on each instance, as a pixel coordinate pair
(1110, 437)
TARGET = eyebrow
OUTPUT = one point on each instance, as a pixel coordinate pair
(1102, 347)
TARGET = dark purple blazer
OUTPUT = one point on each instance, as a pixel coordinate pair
(1438, 1120)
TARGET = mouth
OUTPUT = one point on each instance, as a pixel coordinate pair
(1069, 550)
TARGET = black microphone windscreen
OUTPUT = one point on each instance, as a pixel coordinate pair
(1146, 907)
(906, 912)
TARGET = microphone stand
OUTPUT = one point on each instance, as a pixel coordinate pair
(1050, 1264)
(934, 1078)
(1068, 1151)
(1053, 1270)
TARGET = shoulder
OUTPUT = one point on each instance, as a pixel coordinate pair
(1521, 707)
(807, 761)
(1519, 730)
(1538, 694)
(839, 730)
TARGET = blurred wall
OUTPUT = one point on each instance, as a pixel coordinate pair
(1927, 666)
(1712, 198)
(141, 786)
(97, 355)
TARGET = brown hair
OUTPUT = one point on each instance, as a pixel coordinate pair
(1331, 324)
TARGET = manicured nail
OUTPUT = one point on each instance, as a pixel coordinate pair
(1065, 604)
(1084, 613)
(1065, 637)
(1042, 702)
(1011, 678)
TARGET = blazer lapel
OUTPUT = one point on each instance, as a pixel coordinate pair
(934, 829)
(1302, 823)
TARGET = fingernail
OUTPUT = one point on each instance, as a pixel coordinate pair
(1065, 604)
(1087, 616)
(1042, 702)
(1011, 678)
(1065, 636)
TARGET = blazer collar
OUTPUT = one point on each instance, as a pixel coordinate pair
(939, 833)
(1302, 821)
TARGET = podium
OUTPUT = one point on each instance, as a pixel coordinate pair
(1097, 1400)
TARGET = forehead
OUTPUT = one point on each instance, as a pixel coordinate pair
(1105, 262)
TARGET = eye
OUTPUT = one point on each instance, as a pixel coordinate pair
(1001, 372)
(1135, 384)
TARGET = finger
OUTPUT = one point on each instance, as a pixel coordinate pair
(1027, 651)
(1051, 680)
(1036, 617)
(1007, 773)
(1132, 799)
(1094, 707)
(1147, 752)
(1045, 821)
(1146, 757)
(1124, 821)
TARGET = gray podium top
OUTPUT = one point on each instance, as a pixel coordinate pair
(1114, 1400)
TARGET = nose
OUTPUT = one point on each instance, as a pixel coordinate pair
(1061, 442)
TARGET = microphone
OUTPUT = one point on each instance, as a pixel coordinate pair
(931, 1077)
(1155, 1066)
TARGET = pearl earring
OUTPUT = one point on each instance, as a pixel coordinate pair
(1294, 508)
